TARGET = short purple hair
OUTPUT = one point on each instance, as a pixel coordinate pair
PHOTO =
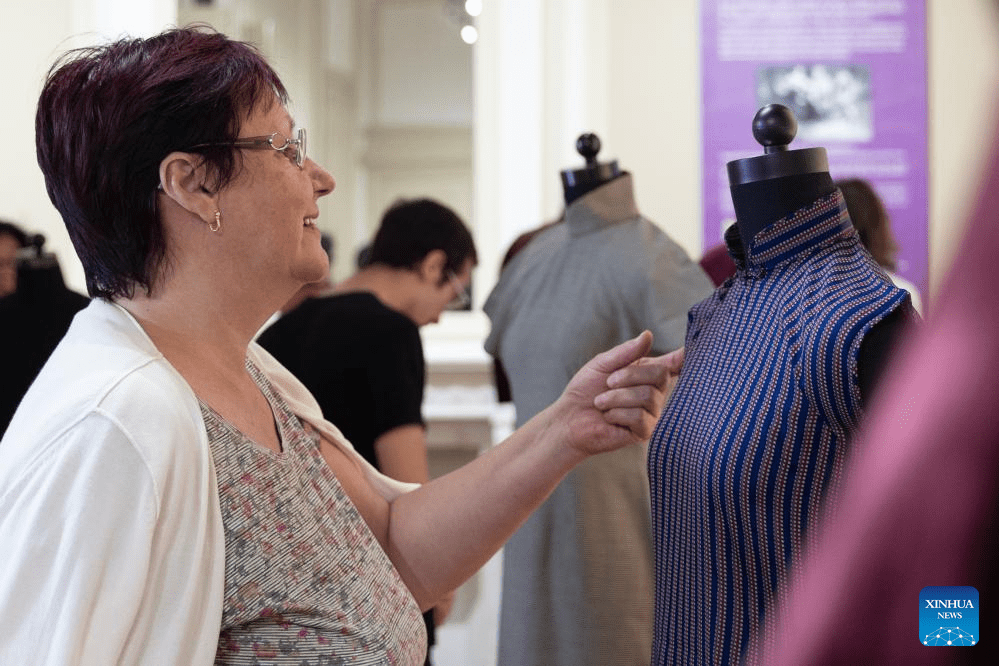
(109, 114)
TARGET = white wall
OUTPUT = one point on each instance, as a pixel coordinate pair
(964, 70)
(424, 74)
(655, 117)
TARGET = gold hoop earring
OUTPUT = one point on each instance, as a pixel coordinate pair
(218, 222)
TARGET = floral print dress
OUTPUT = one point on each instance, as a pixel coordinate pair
(306, 582)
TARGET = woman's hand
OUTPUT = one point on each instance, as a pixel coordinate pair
(615, 399)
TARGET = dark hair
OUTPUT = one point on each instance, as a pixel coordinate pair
(869, 217)
(11, 229)
(106, 118)
(410, 229)
(329, 245)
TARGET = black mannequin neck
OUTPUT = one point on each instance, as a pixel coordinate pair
(578, 182)
(761, 203)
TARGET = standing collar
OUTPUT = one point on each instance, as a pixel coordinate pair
(817, 224)
(611, 203)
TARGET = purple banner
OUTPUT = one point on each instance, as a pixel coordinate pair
(853, 72)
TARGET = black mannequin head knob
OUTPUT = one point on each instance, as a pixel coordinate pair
(588, 145)
(36, 241)
(774, 127)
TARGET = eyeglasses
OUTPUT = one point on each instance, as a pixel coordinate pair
(294, 149)
(461, 298)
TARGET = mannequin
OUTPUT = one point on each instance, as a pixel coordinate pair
(750, 449)
(577, 182)
(769, 187)
(578, 574)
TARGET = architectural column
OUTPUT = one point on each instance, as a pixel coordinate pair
(508, 133)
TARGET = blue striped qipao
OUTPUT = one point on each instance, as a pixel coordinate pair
(755, 433)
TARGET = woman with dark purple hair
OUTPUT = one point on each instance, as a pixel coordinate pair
(168, 492)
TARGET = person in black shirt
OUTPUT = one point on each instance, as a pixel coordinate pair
(35, 313)
(358, 350)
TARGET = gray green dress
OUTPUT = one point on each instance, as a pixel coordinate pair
(578, 576)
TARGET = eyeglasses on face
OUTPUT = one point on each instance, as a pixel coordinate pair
(461, 298)
(294, 149)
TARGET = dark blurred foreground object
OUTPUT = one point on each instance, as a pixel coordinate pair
(32, 322)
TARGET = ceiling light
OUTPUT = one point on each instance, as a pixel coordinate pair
(469, 34)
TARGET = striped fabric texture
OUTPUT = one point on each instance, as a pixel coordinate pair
(755, 435)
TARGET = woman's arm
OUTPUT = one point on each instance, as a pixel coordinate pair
(440, 534)
(402, 453)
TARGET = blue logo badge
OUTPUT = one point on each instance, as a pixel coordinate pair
(948, 616)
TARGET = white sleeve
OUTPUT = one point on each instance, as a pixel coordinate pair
(87, 575)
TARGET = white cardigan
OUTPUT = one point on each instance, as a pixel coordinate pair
(112, 541)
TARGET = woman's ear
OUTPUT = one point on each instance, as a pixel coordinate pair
(183, 178)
